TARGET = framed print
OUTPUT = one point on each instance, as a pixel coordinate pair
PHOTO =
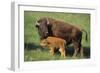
(52, 36)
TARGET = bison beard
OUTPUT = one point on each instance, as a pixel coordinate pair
(68, 32)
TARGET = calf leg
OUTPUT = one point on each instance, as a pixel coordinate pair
(62, 51)
(51, 51)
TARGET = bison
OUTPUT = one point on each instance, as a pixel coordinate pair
(54, 43)
(56, 28)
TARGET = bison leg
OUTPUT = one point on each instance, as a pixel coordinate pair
(62, 51)
(81, 52)
(76, 49)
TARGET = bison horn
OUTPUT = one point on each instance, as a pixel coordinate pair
(37, 23)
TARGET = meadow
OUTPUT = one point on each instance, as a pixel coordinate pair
(34, 52)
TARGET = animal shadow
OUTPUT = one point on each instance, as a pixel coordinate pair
(70, 51)
(31, 46)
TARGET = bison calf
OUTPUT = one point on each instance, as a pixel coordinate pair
(54, 43)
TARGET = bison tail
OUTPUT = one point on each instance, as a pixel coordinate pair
(86, 37)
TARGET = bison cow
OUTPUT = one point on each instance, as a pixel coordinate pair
(54, 43)
(52, 27)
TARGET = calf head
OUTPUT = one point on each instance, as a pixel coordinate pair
(43, 43)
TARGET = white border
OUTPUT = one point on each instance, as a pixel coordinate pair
(17, 61)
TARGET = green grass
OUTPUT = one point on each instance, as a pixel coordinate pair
(33, 52)
(36, 55)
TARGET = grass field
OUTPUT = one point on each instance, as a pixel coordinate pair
(32, 49)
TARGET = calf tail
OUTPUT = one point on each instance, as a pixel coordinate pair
(86, 37)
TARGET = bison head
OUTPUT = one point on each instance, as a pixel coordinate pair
(42, 25)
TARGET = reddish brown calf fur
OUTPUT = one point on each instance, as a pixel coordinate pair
(54, 43)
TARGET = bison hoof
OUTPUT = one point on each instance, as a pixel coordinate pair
(74, 57)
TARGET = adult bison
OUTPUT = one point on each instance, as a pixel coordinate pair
(52, 27)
